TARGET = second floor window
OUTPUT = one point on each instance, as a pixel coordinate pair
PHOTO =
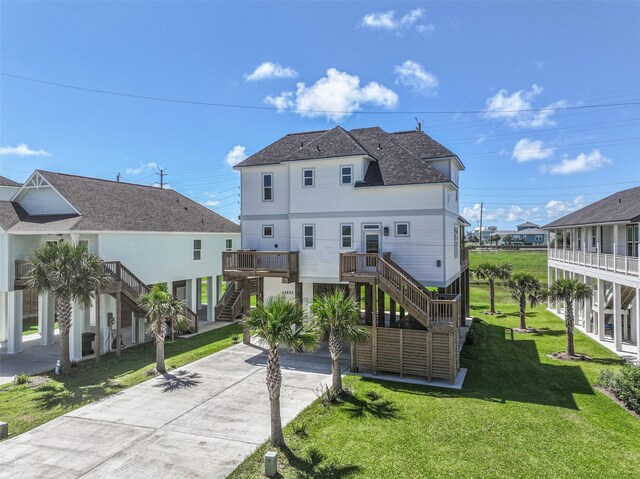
(632, 240)
(346, 236)
(267, 231)
(402, 229)
(197, 250)
(267, 187)
(346, 175)
(307, 177)
(309, 236)
(228, 244)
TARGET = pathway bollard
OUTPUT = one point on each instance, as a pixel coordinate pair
(4, 430)
(271, 464)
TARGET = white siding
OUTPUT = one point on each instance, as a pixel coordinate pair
(44, 201)
(251, 188)
(158, 258)
(252, 235)
(7, 192)
(4, 262)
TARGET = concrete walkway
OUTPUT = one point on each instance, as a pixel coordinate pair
(33, 359)
(199, 421)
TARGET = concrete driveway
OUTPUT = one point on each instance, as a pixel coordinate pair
(199, 421)
(33, 359)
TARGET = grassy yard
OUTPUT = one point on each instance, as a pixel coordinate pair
(534, 262)
(520, 413)
(30, 326)
(25, 406)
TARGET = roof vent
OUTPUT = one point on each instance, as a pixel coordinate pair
(619, 200)
(202, 220)
(177, 199)
(301, 145)
(186, 209)
(318, 147)
(379, 146)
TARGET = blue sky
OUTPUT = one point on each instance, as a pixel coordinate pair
(485, 62)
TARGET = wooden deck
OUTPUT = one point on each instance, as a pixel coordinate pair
(238, 265)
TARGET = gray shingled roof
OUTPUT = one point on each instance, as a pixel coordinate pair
(619, 207)
(528, 224)
(116, 206)
(10, 214)
(398, 157)
(4, 181)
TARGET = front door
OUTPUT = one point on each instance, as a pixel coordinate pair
(372, 246)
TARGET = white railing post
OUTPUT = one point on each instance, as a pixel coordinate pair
(615, 262)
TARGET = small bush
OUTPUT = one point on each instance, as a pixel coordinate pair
(22, 378)
(300, 429)
(235, 338)
(624, 384)
(326, 395)
(373, 396)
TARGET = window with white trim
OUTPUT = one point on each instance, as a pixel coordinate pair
(308, 236)
(308, 178)
(228, 244)
(632, 240)
(267, 231)
(539, 238)
(267, 186)
(346, 175)
(402, 229)
(346, 236)
(579, 239)
(456, 241)
(594, 236)
(197, 250)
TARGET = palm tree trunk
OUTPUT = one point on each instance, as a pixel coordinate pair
(568, 320)
(335, 349)
(63, 312)
(160, 367)
(523, 308)
(492, 297)
(274, 381)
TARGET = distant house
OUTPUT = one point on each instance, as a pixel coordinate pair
(598, 245)
(525, 234)
(145, 235)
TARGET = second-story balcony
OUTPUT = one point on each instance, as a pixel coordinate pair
(246, 264)
(627, 265)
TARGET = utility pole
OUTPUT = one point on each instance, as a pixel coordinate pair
(481, 208)
(162, 174)
(419, 126)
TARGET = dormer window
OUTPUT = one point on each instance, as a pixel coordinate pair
(346, 175)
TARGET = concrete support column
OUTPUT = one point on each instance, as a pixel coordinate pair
(558, 302)
(14, 322)
(601, 306)
(46, 318)
(3, 316)
(550, 273)
(211, 296)
(198, 293)
(191, 294)
(75, 333)
(617, 317)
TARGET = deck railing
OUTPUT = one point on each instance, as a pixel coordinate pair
(260, 263)
(627, 265)
(444, 308)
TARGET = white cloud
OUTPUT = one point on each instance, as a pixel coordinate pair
(236, 155)
(268, 70)
(21, 150)
(388, 21)
(210, 203)
(142, 168)
(556, 208)
(335, 96)
(527, 150)
(166, 186)
(411, 74)
(518, 110)
(580, 164)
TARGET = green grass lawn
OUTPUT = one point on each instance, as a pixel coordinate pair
(534, 262)
(30, 326)
(520, 414)
(25, 407)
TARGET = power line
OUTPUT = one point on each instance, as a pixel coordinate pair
(271, 108)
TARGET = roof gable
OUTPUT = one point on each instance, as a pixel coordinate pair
(330, 144)
(4, 181)
(41, 198)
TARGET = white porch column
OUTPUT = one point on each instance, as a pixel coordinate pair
(637, 304)
(46, 318)
(558, 302)
(198, 293)
(601, 309)
(107, 305)
(3, 316)
(14, 321)
(191, 294)
(212, 294)
(617, 317)
(75, 333)
(616, 239)
(549, 282)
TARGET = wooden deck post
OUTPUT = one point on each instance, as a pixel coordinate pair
(381, 312)
(299, 292)
(429, 354)
(354, 292)
(401, 312)
(98, 331)
(368, 296)
(392, 311)
(374, 328)
(118, 324)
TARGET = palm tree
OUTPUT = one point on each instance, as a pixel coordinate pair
(508, 239)
(524, 287)
(492, 272)
(162, 307)
(336, 316)
(279, 322)
(569, 290)
(71, 274)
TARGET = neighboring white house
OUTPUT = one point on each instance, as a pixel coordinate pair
(146, 235)
(315, 204)
(598, 244)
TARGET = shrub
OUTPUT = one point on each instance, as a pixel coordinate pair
(624, 384)
(22, 378)
(235, 338)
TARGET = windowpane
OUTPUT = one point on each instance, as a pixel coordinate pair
(229, 244)
(345, 175)
(307, 177)
(346, 236)
(402, 229)
(197, 244)
(267, 231)
(266, 180)
(197, 255)
(309, 236)
(267, 187)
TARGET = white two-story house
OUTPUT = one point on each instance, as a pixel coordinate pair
(145, 235)
(598, 244)
(353, 208)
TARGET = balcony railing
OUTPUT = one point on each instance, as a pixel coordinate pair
(255, 264)
(627, 265)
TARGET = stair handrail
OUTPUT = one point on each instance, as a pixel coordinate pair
(231, 289)
(409, 289)
(403, 272)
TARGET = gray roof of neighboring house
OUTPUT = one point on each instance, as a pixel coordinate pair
(116, 206)
(4, 181)
(531, 231)
(398, 157)
(619, 207)
(462, 221)
(528, 224)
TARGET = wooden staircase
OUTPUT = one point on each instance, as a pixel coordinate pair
(131, 288)
(234, 301)
(423, 305)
